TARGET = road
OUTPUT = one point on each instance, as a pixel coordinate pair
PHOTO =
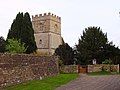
(85, 82)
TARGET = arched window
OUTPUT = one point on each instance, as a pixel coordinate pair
(40, 42)
(56, 27)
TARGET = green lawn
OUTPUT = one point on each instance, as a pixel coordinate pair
(46, 84)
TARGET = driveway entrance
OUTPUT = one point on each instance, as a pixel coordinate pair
(84, 82)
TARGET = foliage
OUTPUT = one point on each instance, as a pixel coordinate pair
(15, 46)
(60, 62)
(22, 29)
(107, 61)
(66, 54)
(2, 45)
(50, 83)
(113, 53)
(91, 45)
(63, 42)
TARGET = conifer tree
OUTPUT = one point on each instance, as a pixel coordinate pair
(91, 45)
(66, 54)
(28, 35)
(16, 27)
(22, 29)
(2, 45)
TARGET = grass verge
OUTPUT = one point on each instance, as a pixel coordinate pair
(46, 84)
(101, 73)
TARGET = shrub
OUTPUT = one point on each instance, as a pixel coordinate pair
(15, 46)
(107, 61)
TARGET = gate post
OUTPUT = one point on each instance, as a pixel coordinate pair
(78, 68)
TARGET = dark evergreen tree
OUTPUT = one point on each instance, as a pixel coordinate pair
(16, 27)
(66, 54)
(2, 45)
(91, 45)
(63, 42)
(112, 53)
(28, 34)
(22, 29)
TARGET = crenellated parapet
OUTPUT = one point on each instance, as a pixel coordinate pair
(47, 32)
(46, 16)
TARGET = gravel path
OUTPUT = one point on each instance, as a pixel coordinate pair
(84, 82)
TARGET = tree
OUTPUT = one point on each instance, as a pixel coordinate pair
(15, 46)
(66, 54)
(16, 28)
(28, 35)
(2, 45)
(112, 52)
(90, 45)
(21, 29)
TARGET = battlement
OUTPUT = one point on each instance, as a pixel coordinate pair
(46, 16)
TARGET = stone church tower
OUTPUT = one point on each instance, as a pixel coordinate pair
(47, 32)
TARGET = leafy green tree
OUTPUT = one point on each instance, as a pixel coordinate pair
(91, 45)
(2, 45)
(66, 54)
(15, 46)
(21, 29)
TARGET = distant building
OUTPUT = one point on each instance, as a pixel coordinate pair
(47, 32)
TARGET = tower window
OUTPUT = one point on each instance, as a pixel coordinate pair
(41, 26)
(56, 27)
(40, 42)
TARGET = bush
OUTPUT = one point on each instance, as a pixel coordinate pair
(15, 46)
(107, 61)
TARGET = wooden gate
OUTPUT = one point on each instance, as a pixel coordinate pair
(82, 69)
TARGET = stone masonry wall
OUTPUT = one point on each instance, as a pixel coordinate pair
(69, 69)
(21, 68)
(100, 67)
(90, 68)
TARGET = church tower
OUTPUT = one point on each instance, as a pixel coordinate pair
(47, 32)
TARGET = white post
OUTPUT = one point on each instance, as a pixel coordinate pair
(118, 69)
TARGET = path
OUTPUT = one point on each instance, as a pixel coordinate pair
(110, 82)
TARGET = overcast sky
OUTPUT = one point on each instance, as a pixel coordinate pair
(76, 16)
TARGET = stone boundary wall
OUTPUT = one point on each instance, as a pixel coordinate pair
(90, 68)
(69, 69)
(19, 68)
(100, 67)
